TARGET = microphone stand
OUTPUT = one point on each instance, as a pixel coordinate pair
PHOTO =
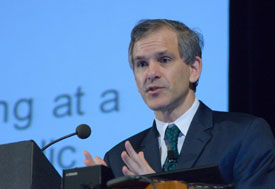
(55, 141)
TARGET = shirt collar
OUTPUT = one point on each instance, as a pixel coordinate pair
(183, 122)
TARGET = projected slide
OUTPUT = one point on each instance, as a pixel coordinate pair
(64, 63)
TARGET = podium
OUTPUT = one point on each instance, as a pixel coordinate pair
(101, 177)
(169, 185)
(24, 166)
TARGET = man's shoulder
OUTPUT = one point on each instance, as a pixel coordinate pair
(239, 122)
(234, 117)
(224, 115)
(230, 118)
(224, 122)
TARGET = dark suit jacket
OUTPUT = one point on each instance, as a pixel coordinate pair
(242, 145)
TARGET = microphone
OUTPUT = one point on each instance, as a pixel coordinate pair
(172, 156)
(82, 131)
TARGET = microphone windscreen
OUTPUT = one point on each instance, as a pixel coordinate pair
(83, 131)
(171, 155)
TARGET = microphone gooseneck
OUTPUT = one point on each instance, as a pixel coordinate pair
(82, 131)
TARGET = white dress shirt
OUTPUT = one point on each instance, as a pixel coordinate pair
(183, 123)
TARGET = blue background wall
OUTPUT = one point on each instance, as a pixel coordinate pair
(63, 63)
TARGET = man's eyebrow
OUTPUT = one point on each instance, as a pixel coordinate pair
(163, 53)
(157, 54)
(139, 58)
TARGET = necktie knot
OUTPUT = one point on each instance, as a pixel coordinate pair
(171, 136)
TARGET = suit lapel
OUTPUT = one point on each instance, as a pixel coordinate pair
(150, 147)
(197, 137)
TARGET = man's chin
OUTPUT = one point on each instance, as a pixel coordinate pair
(156, 106)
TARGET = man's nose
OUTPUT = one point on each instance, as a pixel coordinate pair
(153, 71)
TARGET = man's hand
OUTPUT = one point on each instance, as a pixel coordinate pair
(136, 163)
(89, 161)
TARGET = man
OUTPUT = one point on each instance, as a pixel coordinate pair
(166, 60)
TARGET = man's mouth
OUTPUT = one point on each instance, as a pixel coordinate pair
(153, 89)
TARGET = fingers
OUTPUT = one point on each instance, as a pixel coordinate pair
(131, 159)
(132, 153)
(99, 161)
(126, 171)
(90, 161)
(131, 164)
(148, 167)
(136, 163)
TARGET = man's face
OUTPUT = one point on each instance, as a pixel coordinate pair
(162, 77)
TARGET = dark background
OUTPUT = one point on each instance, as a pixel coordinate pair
(251, 64)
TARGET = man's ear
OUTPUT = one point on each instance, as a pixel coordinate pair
(195, 70)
